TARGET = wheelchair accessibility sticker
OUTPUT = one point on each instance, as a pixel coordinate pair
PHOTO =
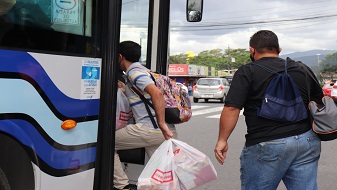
(90, 79)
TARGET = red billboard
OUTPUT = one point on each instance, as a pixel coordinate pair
(178, 69)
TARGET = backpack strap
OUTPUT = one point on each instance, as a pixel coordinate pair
(271, 71)
(147, 103)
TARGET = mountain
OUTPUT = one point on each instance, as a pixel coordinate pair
(310, 57)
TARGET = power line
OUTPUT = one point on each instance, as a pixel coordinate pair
(220, 26)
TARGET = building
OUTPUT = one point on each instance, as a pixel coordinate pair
(189, 74)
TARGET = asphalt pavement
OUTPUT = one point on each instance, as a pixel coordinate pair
(201, 132)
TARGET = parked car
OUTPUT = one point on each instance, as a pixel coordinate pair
(333, 92)
(182, 86)
(229, 78)
(327, 88)
(210, 88)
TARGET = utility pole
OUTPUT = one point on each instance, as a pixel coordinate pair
(318, 61)
(229, 60)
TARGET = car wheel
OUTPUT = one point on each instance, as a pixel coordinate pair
(195, 100)
(206, 100)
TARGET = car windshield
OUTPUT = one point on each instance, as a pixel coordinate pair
(209, 82)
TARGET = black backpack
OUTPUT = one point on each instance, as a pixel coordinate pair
(282, 99)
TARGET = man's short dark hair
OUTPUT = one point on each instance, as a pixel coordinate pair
(130, 50)
(265, 41)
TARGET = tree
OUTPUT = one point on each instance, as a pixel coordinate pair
(217, 58)
(241, 57)
(329, 63)
(178, 59)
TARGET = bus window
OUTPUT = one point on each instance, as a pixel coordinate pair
(64, 26)
(68, 16)
(134, 24)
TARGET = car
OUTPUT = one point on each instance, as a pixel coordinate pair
(210, 88)
(333, 92)
(229, 78)
(327, 88)
(182, 86)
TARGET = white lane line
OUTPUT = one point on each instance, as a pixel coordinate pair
(218, 115)
(205, 111)
(198, 107)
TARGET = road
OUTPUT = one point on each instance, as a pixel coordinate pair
(201, 132)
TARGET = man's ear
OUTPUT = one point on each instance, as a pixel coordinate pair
(252, 50)
(279, 50)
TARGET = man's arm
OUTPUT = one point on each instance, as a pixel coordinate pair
(159, 107)
(229, 117)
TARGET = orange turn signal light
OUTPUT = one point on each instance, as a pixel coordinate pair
(68, 124)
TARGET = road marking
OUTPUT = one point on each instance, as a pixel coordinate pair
(205, 111)
(218, 115)
(198, 107)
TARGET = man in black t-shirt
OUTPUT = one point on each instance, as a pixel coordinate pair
(274, 150)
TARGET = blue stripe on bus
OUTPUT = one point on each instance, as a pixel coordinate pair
(22, 62)
(14, 101)
(67, 158)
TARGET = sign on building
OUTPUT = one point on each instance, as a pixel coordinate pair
(178, 69)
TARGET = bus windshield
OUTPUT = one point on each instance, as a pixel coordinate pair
(62, 26)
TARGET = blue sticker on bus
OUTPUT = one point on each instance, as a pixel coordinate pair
(90, 72)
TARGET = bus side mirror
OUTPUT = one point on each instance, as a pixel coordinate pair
(194, 10)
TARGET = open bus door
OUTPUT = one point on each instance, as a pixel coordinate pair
(157, 52)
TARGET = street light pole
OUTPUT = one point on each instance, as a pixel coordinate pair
(318, 58)
(229, 59)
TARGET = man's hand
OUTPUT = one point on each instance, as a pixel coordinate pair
(121, 85)
(166, 131)
(221, 151)
(229, 117)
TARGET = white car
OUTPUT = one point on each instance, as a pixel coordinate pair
(211, 88)
(182, 86)
(334, 90)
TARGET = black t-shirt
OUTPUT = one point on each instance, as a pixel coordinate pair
(247, 91)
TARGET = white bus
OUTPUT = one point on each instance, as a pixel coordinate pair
(58, 86)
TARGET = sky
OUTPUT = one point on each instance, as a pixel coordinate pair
(300, 25)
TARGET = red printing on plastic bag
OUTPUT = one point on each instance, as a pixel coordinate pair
(125, 116)
(176, 151)
(161, 176)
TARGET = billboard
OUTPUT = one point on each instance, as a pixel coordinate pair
(178, 69)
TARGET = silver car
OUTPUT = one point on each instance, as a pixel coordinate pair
(210, 88)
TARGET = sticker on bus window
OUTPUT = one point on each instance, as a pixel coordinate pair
(65, 12)
(90, 79)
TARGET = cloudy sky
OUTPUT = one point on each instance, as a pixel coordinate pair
(301, 25)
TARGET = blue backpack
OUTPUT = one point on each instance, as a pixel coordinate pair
(282, 99)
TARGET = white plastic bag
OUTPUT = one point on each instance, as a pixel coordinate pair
(158, 173)
(175, 165)
(123, 110)
(192, 167)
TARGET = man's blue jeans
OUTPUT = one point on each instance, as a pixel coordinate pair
(294, 160)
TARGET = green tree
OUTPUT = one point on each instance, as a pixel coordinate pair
(178, 59)
(329, 63)
(218, 58)
(241, 57)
